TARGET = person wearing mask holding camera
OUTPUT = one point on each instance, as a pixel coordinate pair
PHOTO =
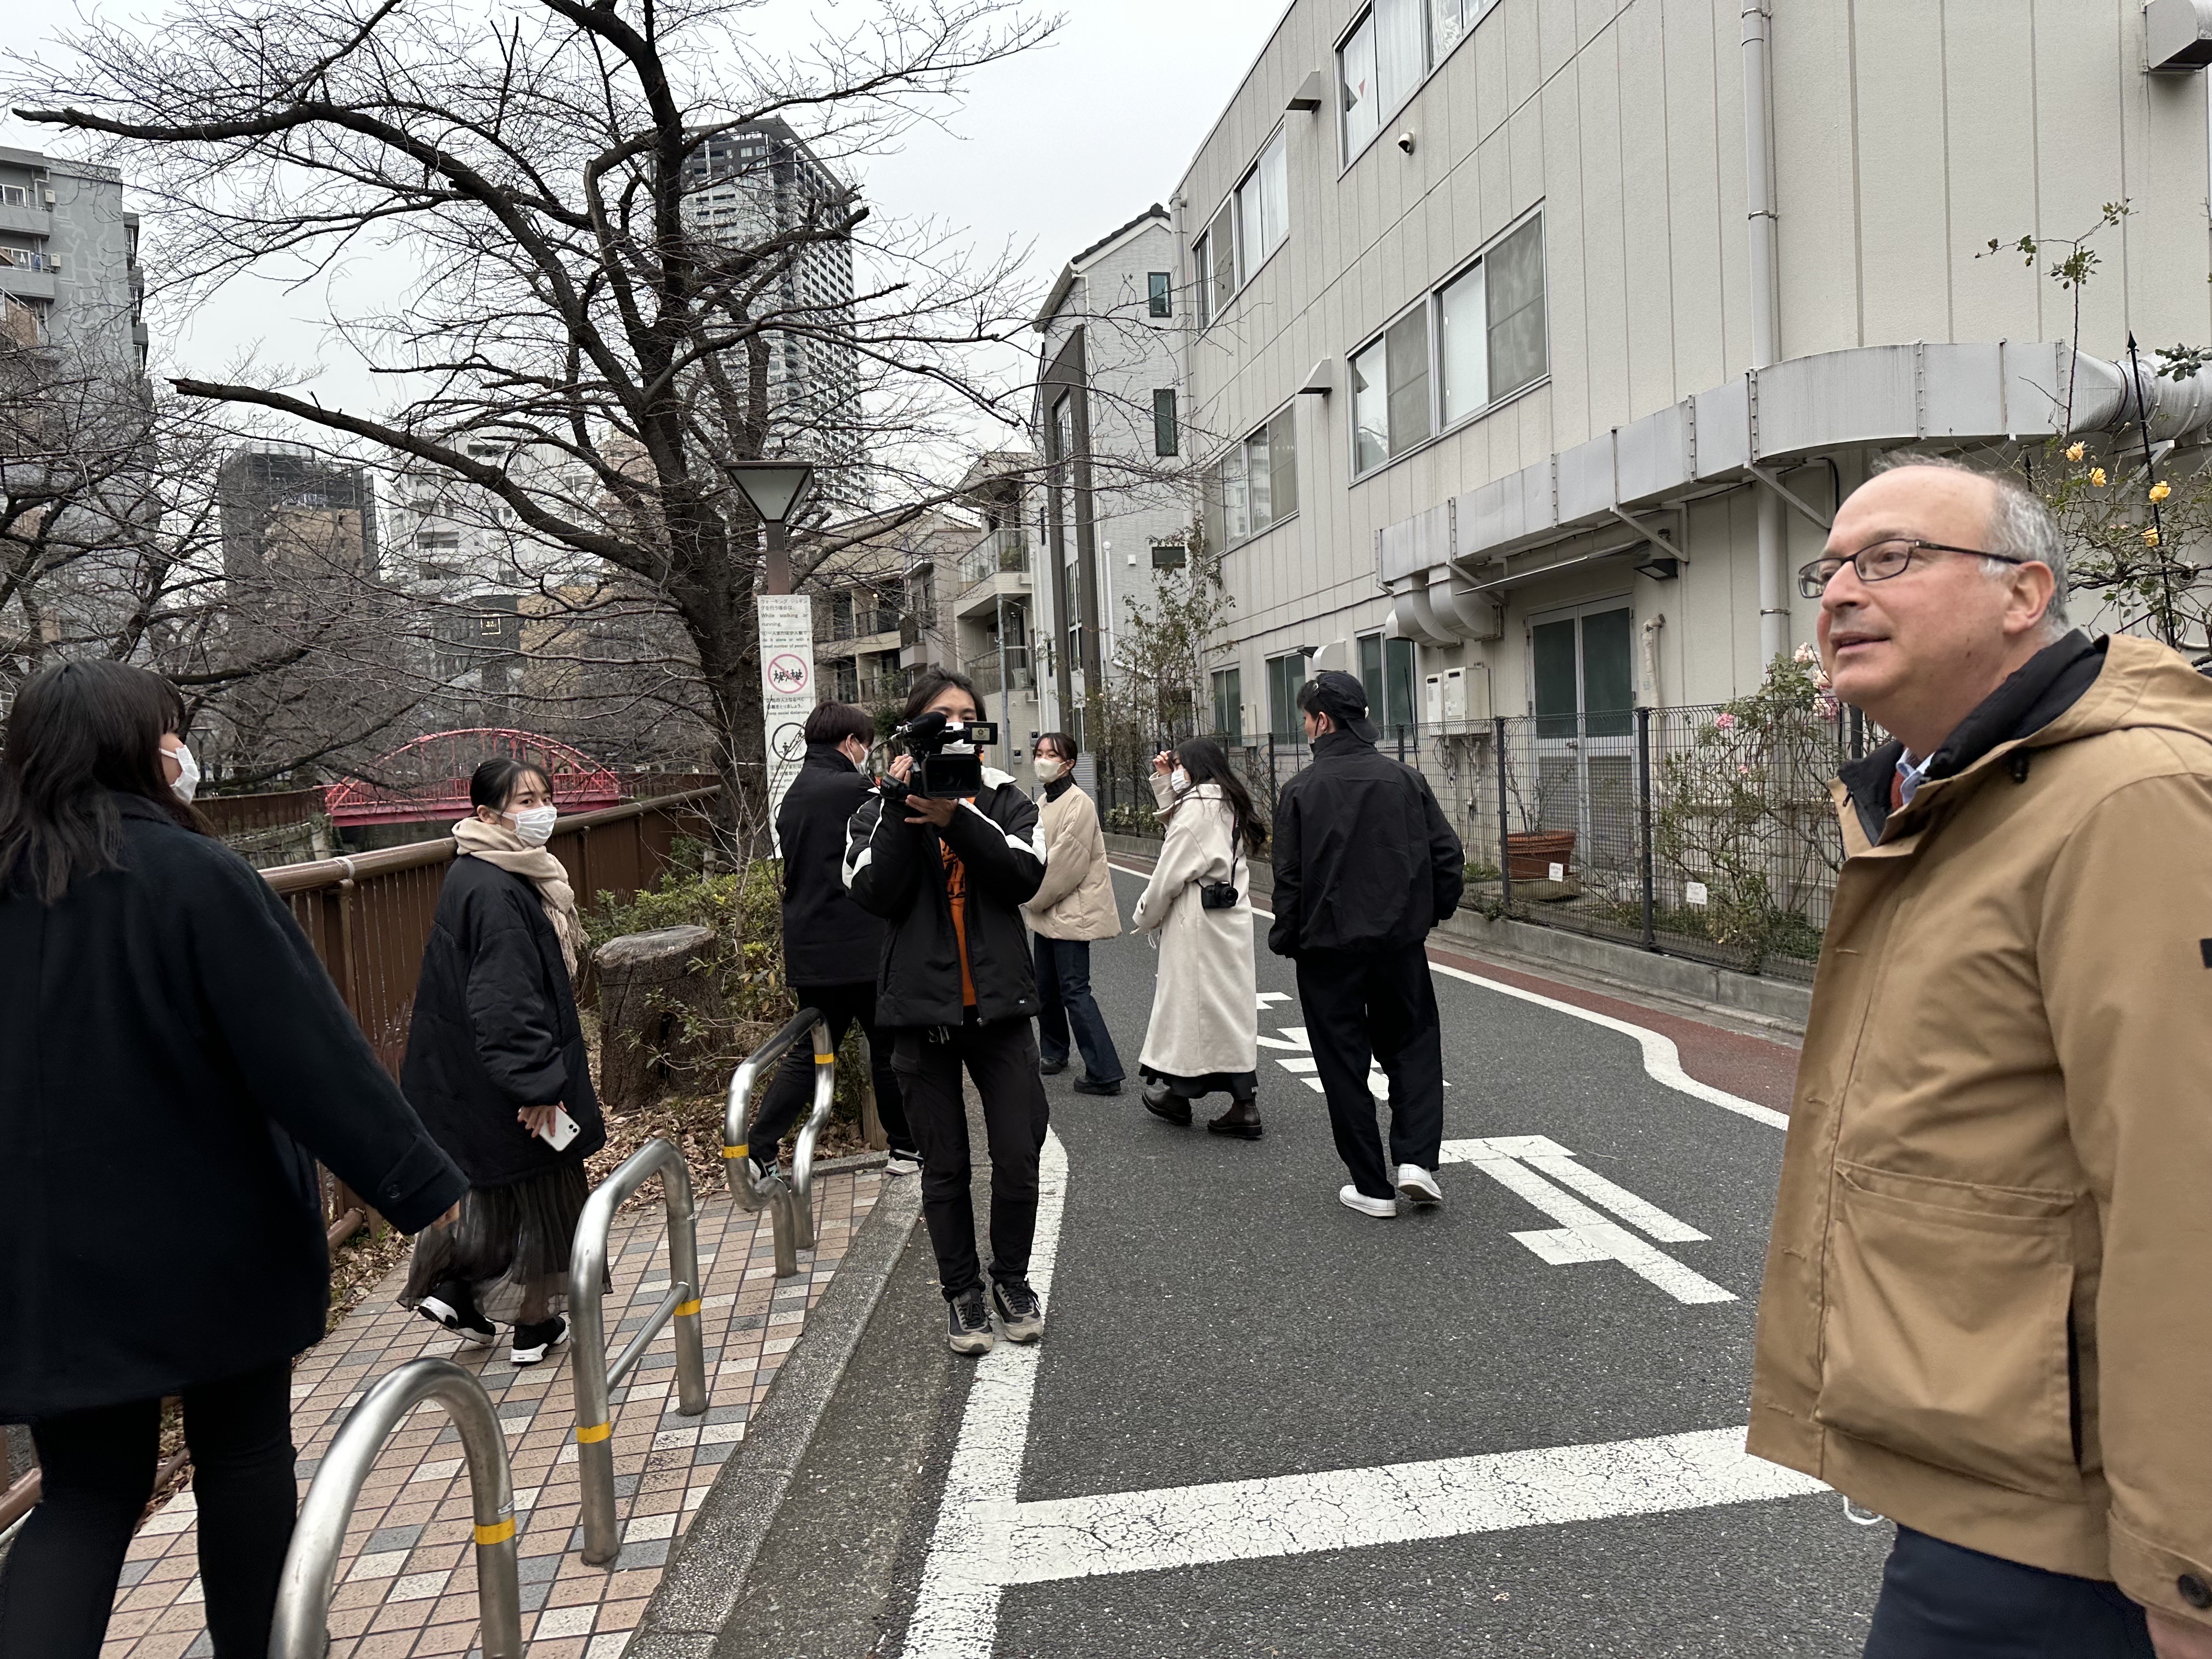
(829, 941)
(947, 851)
(496, 1066)
(1204, 1030)
(1074, 906)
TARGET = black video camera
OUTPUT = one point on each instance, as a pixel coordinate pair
(948, 758)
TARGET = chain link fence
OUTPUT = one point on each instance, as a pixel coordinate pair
(1707, 832)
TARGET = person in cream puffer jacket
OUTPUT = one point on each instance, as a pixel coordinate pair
(1074, 906)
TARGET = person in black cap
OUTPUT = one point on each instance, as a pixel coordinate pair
(1365, 866)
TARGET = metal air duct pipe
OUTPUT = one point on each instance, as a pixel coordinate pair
(1765, 333)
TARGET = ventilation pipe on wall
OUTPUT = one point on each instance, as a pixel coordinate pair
(1765, 334)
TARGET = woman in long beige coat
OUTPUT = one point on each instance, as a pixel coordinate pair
(1074, 906)
(1204, 1030)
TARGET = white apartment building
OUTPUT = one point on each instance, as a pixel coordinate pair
(1541, 339)
(1115, 508)
(68, 257)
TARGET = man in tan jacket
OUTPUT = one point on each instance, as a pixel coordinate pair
(1988, 1306)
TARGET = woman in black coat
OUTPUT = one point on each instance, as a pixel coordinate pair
(495, 1065)
(173, 1055)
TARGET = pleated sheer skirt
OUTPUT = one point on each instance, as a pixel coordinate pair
(510, 1247)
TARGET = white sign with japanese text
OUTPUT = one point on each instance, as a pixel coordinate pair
(786, 659)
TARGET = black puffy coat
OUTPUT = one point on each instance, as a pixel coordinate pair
(496, 1030)
(893, 869)
(828, 940)
(171, 1054)
(1364, 860)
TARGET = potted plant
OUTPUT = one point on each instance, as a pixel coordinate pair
(1531, 851)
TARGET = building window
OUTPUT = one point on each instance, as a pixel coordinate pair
(1489, 343)
(1215, 254)
(1285, 676)
(1159, 292)
(1228, 706)
(1394, 43)
(1255, 485)
(1165, 439)
(1386, 669)
(1263, 208)
(1169, 555)
(1390, 393)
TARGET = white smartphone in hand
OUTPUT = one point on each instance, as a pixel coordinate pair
(560, 1131)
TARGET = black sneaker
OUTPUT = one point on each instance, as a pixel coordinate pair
(970, 1323)
(1052, 1067)
(457, 1314)
(1019, 1311)
(532, 1342)
(1091, 1085)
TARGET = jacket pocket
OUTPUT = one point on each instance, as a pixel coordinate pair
(1944, 1326)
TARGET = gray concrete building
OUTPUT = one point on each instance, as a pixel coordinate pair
(68, 257)
(1540, 340)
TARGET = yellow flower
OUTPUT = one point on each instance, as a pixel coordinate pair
(2097, 477)
(2150, 537)
(2077, 452)
(2161, 490)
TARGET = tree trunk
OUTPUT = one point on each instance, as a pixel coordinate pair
(651, 987)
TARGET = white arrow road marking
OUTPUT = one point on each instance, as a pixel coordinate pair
(1584, 1235)
(1299, 1042)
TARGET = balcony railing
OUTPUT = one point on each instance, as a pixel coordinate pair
(858, 624)
(1001, 550)
(876, 689)
(1018, 671)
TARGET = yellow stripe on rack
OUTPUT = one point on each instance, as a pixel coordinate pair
(590, 1433)
(690, 1307)
(498, 1533)
(738, 1151)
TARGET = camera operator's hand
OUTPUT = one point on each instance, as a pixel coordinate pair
(903, 769)
(938, 812)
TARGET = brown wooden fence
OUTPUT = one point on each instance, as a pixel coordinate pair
(368, 915)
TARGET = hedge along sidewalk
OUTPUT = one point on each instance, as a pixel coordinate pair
(406, 1578)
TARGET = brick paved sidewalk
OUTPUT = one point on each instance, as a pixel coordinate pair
(406, 1581)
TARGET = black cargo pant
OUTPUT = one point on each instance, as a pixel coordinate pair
(1002, 1058)
(791, 1090)
(1942, 1600)
(1381, 1008)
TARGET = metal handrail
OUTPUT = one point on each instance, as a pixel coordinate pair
(789, 1201)
(301, 1630)
(594, 1378)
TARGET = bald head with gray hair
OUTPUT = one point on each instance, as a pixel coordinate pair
(2019, 527)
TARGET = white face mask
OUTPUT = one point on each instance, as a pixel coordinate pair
(1049, 769)
(188, 773)
(1178, 779)
(533, 825)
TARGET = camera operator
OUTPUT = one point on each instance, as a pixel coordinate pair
(950, 872)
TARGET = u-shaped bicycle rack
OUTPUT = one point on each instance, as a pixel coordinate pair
(303, 1595)
(594, 1377)
(790, 1202)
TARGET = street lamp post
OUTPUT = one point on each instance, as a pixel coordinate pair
(775, 489)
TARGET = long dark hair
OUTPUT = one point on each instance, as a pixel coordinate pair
(80, 734)
(1207, 763)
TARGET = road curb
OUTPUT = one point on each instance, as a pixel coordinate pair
(699, 1590)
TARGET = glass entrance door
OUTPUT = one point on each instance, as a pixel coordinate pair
(1581, 666)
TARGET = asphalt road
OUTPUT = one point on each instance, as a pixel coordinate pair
(1157, 1479)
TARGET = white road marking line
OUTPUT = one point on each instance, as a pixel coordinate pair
(1662, 1060)
(1398, 1503)
(1548, 1156)
(956, 1614)
(1599, 1240)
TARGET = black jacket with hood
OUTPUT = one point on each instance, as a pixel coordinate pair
(496, 1029)
(893, 869)
(172, 1061)
(1364, 861)
(828, 940)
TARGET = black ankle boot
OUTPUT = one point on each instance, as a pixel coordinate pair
(1241, 1120)
(1162, 1102)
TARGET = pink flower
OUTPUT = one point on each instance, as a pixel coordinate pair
(1724, 723)
(1743, 771)
(1825, 706)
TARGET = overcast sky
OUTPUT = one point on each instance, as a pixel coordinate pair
(1051, 151)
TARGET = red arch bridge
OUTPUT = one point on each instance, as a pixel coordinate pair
(429, 778)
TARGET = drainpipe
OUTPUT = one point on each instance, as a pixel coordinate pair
(1765, 333)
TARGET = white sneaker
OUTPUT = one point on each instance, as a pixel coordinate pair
(1417, 1185)
(902, 1164)
(1353, 1199)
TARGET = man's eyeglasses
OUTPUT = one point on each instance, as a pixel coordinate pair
(1878, 561)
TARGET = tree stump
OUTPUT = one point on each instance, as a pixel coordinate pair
(647, 983)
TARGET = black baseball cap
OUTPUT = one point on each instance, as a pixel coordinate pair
(1343, 699)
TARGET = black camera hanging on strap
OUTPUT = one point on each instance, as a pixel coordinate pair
(1220, 895)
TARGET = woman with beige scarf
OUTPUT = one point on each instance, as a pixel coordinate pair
(496, 1066)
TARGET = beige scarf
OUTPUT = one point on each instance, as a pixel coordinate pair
(495, 843)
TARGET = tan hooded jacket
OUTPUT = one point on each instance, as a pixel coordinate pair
(1077, 898)
(1988, 1306)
